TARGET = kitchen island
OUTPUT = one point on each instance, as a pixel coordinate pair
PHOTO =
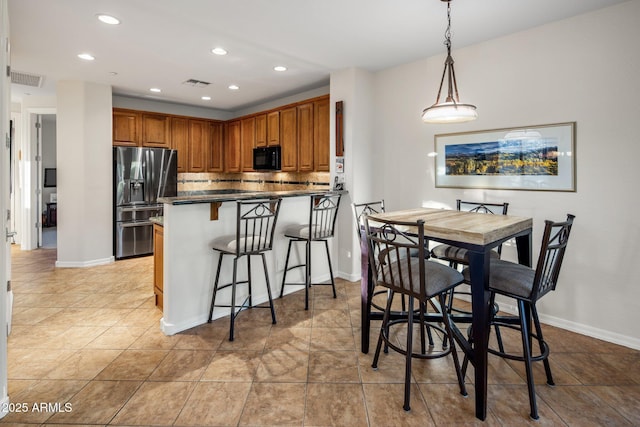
(191, 222)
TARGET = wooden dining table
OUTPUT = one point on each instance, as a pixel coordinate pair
(478, 233)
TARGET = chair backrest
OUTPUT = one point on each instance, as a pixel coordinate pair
(554, 245)
(390, 255)
(361, 209)
(322, 215)
(255, 226)
(488, 208)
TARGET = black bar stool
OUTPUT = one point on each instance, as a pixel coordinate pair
(320, 227)
(255, 225)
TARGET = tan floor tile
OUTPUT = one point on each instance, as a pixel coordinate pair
(117, 337)
(335, 405)
(448, 407)
(283, 366)
(247, 338)
(83, 364)
(182, 365)
(333, 366)
(215, 404)
(331, 318)
(34, 364)
(384, 406)
(601, 369)
(510, 405)
(259, 409)
(625, 400)
(332, 339)
(32, 316)
(232, 366)
(98, 402)
(154, 339)
(155, 403)
(133, 365)
(289, 339)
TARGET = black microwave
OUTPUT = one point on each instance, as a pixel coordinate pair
(266, 158)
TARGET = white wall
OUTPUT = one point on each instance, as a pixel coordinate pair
(584, 69)
(84, 164)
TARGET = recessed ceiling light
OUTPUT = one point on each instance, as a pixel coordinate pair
(155, 89)
(234, 87)
(219, 51)
(86, 56)
(206, 98)
(108, 19)
(113, 73)
(280, 68)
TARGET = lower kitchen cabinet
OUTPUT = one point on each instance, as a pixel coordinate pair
(158, 261)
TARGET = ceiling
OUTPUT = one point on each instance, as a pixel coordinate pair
(163, 43)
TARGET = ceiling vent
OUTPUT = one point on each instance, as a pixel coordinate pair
(196, 83)
(26, 79)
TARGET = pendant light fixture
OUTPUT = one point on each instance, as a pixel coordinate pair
(451, 110)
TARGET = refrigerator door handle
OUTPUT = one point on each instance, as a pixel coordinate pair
(144, 208)
(135, 224)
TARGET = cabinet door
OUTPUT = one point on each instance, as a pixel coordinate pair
(199, 134)
(288, 139)
(156, 130)
(273, 128)
(180, 141)
(215, 154)
(321, 144)
(305, 137)
(248, 136)
(261, 130)
(126, 130)
(232, 149)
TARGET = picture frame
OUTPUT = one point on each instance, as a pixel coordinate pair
(537, 158)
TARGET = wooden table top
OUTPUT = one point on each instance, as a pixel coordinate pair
(460, 226)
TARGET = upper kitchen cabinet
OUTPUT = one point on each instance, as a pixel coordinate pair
(305, 137)
(321, 137)
(248, 138)
(215, 153)
(289, 139)
(180, 141)
(199, 138)
(261, 130)
(232, 149)
(156, 130)
(273, 128)
(126, 128)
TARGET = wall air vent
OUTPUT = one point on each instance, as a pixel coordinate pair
(196, 83)
(26, 79)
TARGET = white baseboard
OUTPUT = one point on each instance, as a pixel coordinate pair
(84, 264)
(4, 406)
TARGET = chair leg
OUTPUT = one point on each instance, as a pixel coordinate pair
(266, 278)
(383, 328)
(233, 298)
(407, 372)
(333, 283)
(526, 349)
(307, 274)
(286, 265)
(249, 281)
(545, 361)
(215, 287)
(454, 352)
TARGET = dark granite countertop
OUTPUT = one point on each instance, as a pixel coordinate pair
(226, 195)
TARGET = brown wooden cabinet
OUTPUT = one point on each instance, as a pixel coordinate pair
(248, 138)
(305, 137)
(232, 147)
(158, 264)
(321, 137)
(273, 128)
(288, 139)
(199, 137)
(180, 141)
(215, 153)
(126, 128)
(261, 130)
(156, 130)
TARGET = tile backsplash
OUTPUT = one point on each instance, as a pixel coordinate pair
(254, 181)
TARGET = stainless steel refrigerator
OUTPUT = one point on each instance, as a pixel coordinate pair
(140, 177)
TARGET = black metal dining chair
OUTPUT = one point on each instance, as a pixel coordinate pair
(320, 227)
(391, 245)
(255, 226)
(527, 286)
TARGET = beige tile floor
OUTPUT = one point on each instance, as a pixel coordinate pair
(90, 338)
